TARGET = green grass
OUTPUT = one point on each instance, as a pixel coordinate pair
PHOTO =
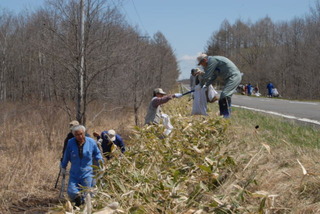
(274, 128)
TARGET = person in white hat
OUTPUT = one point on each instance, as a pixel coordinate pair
(155, 114)
(109, 141)
(223, 67)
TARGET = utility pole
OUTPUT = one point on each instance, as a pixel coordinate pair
(80, 101)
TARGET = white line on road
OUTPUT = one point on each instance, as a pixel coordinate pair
(304, 103)
(281, 115)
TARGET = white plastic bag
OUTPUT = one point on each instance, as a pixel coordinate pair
(199, 106)
(275, 92)
(211, 93)
(197, 87)
(167, 124)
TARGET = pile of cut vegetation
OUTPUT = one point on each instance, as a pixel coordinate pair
(210, 165)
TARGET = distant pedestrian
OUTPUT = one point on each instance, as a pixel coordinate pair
(256, 91)
(270, 87)
(215, 66)
(249, 89)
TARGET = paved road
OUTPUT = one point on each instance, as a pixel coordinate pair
(303, 111)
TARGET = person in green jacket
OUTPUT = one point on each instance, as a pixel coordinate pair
(223, 67)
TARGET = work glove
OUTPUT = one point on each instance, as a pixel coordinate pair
(177, 95)
(99, 142)
(63, 171)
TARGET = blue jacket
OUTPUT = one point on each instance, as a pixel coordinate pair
(249, 88)
(81, 167)
(270, 86)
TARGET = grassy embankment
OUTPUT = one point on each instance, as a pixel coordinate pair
(213, 165)
(207, 163)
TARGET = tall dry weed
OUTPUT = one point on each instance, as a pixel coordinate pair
(32, 138)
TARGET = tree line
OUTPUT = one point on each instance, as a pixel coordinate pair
(285, 53)
(41, 52)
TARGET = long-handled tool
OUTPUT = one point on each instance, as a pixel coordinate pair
(188, 92)
(178, 95)
(55, 186)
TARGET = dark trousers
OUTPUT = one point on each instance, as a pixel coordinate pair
(225, 107)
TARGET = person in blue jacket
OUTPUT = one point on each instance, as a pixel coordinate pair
(109, 140)
(220, 66)
(81, 151)
(70, 135)
(270, 87)
(249, 89)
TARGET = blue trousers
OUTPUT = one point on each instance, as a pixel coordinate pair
(77, 184)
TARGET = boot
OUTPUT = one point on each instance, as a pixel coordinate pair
(78, 201)
(224, 107)
(229, 105)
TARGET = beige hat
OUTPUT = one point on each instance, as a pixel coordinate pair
(74, 123)
(201, 57)
(112, 134)
(158, 91)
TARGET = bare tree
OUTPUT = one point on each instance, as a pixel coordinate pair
(42, 55)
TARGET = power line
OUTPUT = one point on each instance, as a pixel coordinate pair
(140, 23)
(121, 7)
(140, 20)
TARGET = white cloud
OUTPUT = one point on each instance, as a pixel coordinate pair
(187, 62)
(187, 57)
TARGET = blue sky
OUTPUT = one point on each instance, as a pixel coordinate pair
(188, 24)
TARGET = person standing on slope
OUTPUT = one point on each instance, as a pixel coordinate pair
(223, 67)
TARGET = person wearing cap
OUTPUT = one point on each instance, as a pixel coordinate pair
(81, 151)
(194, 79)
(109, 140)
(154, 113)
(69, 136)
(223, 67)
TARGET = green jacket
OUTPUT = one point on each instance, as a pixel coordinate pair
(218, 66)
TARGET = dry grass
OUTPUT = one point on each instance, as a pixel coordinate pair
(32, 138)
(273, 152)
